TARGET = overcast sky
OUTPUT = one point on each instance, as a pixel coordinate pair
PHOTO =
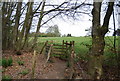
(75, 27)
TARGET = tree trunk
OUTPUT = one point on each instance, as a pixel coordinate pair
(17, 21)
(25, 28)
(4, 11)
(30, 13)
(39, 25)
(118, 57)
(98, 42)
(96, 57)
(7, 10)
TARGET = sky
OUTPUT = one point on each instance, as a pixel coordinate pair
(77, 27)
(73, 27)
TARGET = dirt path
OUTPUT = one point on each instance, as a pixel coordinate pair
(50, 70)
(53, 70)
(57, 69)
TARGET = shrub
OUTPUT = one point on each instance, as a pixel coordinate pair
(6, 78)
(4, 62)
(20, 62)
(7, 62)
(10, 61)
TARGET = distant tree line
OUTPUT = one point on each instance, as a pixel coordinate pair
(52, 31)
(68, 35)
(43, 35)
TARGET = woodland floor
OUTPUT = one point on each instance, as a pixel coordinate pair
(57, 69)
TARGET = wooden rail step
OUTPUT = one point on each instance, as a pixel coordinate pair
(58, 52)
(59, 47)
(56, 45)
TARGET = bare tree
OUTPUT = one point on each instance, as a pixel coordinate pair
(17, 22)
(7, 37)
(98, 42)
(39, 24)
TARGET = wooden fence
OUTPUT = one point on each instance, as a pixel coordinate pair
(65, 48)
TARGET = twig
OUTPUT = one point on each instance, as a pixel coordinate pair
(33, 65)
(43, 47)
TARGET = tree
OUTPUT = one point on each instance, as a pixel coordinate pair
(7, 27)
(118, 59)
(117, 32)
(16, 26)
(69, 35)
(53, 30)
(98, 42)
(15, 34)
(28, 22)
(89, 31)
(39, 24)
(64, 35)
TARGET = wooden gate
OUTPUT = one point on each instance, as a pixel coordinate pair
(65, 49)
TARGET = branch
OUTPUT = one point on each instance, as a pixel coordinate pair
(56, 9)
(50, 19)
(37, 8)
(107, 17)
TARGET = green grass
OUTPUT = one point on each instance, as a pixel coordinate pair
(20, 62)
(78, 40)
(7, 62)
(80, 49)
(6, 78)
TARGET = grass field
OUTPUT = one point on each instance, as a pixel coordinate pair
(80, 49)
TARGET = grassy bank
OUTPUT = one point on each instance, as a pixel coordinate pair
(80, 46)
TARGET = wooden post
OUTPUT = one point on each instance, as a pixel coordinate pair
(66, 49)
(43, 47)
(66, 44)
(63, 47)
(34, 64)
(63, 42)
(70, 43)
(46, 49)
(49, 52)
(73, 43)
(72, 61)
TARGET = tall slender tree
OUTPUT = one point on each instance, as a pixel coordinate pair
(16, 26)
(30, 14)
(39, 24)
(7, 28)
(26, 26)
(98, 42)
